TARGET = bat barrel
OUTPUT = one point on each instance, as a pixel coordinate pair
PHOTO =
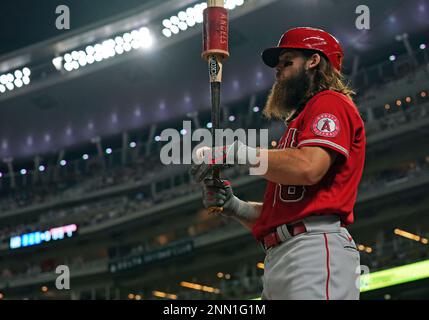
(215, 30)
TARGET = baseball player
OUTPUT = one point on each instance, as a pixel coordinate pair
(312, 176)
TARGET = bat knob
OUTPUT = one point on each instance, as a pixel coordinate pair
(215, 209)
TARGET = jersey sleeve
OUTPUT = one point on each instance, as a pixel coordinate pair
(328, 123)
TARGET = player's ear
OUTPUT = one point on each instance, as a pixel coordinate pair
(313, 61)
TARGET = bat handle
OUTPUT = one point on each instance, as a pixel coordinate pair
(216, 176)
(215, 73)
(215, 97)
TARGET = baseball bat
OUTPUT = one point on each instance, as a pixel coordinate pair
(215, 50)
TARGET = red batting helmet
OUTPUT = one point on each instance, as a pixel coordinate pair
(306, 38)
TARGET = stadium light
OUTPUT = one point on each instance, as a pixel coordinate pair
(410, 236)
(108, 151)
(63, 162)
(231, 118)
(422, 46)
(109, 48)
(137, 112)
(209, 125)
(18, 83)
(1, 175)
(133, 144)
(167, 33)
(85, 157)
(161, 294)
(392, 57)
(363, 248)
(255, 109)
(190, 17)
(199, 287)
(26, 71)
(41, 168)
(23, 172)
(15, 79)
(58, 63)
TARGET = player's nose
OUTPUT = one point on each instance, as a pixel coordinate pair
(278, 75)
(279, 69)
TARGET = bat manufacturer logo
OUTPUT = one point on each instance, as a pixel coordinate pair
(213, 68)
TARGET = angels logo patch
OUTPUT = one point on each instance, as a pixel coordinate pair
(326, 125)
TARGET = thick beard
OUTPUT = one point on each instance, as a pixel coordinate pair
(287, 95)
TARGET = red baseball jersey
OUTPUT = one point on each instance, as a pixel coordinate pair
(329, 120)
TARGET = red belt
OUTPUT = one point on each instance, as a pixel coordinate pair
(272, 239)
